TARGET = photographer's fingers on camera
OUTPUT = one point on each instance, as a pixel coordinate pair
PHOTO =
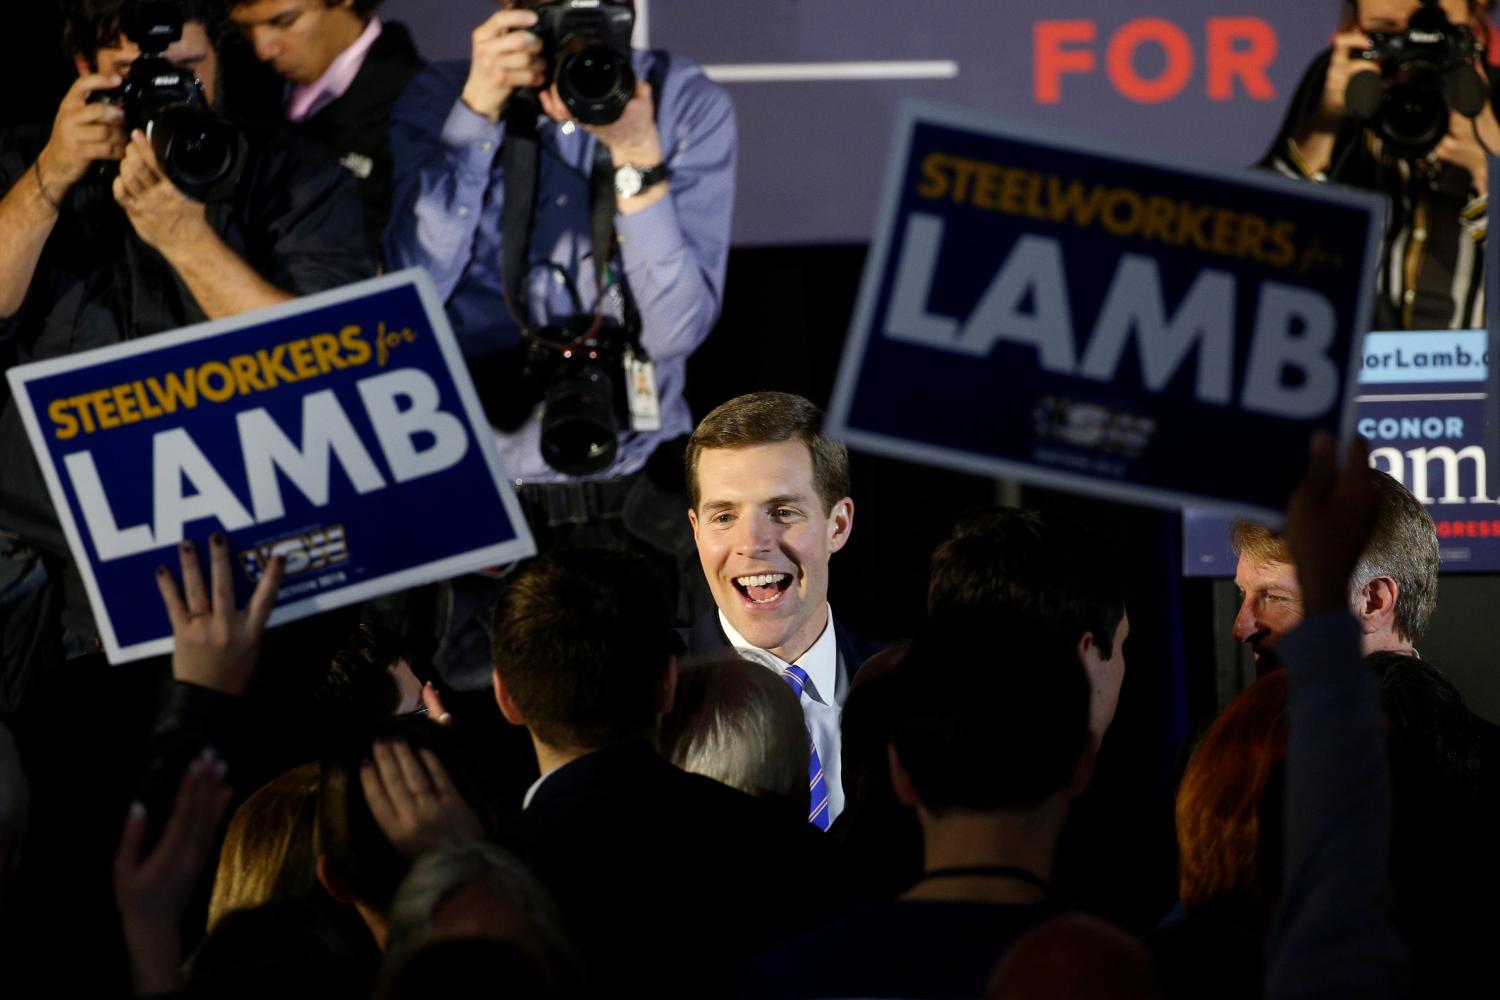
(1343, 65)
(83, 132)
(505, 56)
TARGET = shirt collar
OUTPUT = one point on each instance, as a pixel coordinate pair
(821, 661)
(302, 102)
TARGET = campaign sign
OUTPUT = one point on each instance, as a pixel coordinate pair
(340, 431)
(1040, 308)
(1423, 404)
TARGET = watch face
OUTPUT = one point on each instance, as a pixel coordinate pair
(627, 181)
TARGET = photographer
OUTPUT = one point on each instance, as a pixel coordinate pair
(656, 181)
(1436, 181)
(344, 69)
(109, 235)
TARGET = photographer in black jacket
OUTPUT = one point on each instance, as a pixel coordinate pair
(98, 245)
(1432, 268)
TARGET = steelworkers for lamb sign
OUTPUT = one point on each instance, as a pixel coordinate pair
(340, 431)
(1040, 308)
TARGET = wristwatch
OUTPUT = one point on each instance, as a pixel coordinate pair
(631, 180)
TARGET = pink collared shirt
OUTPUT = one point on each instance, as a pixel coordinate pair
(303, 102)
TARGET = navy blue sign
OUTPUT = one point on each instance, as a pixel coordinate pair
(340, 431)
(1038, 308)
(1423, 402)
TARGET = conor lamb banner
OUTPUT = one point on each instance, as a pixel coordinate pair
(340, 431)
(1039, 308)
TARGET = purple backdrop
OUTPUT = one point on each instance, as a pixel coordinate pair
(1202, 80)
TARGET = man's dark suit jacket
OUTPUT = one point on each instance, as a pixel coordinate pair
(670, 881)
(354, 128)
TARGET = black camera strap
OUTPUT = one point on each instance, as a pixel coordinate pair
(520, 156)
(520, 160)
(602, 233)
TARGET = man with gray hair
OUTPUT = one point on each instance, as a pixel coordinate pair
(735, 721)
(1392, 594)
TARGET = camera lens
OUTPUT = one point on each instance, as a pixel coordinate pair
(594, 75)
(596, 83)
(198, 155)
(578, 422)
(1414, 117)
(201, 153)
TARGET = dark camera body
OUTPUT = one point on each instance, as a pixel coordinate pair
(201, 153)
(586, 44)
(1426, 72)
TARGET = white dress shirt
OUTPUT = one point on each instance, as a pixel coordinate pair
(822, 699)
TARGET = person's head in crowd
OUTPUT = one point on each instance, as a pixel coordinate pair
(770, 507)
(1074, 957)
(1052, 569)
(1219, 836)
(370, 677)
(1393, 15)
(479, 891)
(740, 724)
(270, 849)
(582, 652)
(462, 968)
(300, 39)
(95, 35)
(994, 741)
(278, 948)
(1393, 593)
(358, 865)
(15, 808)
(866, 726)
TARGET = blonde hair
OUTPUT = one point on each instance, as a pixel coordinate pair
(270, 850)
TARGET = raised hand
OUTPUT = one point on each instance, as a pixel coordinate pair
(152, 891)
(215, 643)
(504, 56)
(168, 220)
(413, 800)
(81, 133)
(1329, 521)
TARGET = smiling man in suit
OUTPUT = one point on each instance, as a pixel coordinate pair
(771, 506)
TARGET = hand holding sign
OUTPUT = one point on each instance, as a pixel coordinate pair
(215, 643)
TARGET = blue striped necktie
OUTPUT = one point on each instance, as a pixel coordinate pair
(818, 807)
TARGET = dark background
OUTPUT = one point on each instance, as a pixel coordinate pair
(788, 304)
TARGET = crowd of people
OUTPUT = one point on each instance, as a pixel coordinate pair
(652, 761)
(632, 809)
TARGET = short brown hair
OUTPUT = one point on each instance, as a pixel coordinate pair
(1219, 801)
(1048, 567)
(581, 640)
(771, 418)
(1403, 546)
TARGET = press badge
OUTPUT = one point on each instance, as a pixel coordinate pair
(640, 387)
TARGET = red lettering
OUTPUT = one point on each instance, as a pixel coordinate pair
(1052, 60)
(1444, 529)
(1243, 47)
(1120, 60)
